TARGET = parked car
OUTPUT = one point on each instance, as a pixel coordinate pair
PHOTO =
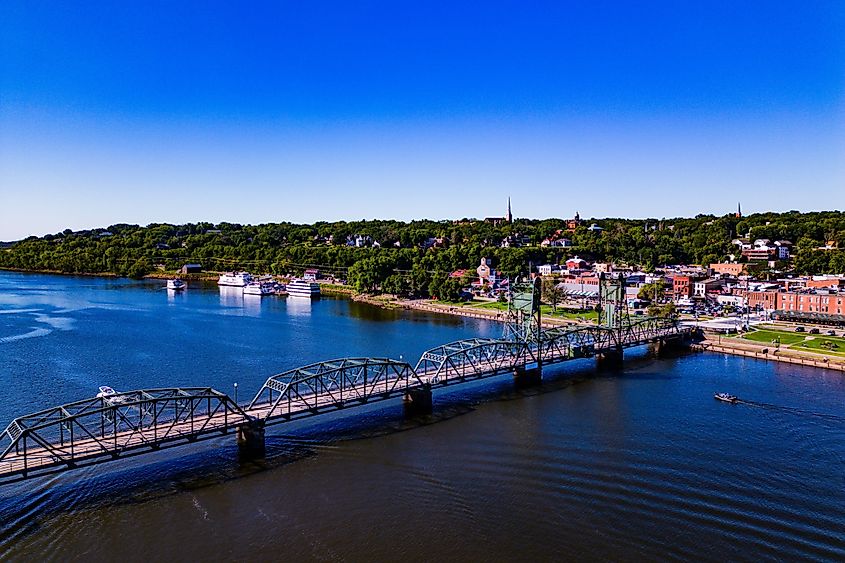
(799, 329)
(831, 333)
(814, 331)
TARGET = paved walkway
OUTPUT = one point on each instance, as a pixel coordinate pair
(751, 349)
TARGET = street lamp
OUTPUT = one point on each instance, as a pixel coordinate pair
(236, 393)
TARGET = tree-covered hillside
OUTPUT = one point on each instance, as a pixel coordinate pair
(411, 254)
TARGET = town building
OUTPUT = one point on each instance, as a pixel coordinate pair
(728, 269)
(762, 249)
(825, 301)
(557, 239)
(483, 270)
(682, 286)
(548, 269)
(496, 221)
(764, 300)
(820, 301)
(359, 241)
(703, 288)
(829, 282)
(576, 264)
(574, 223)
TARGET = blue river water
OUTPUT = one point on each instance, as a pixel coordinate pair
(636, 464)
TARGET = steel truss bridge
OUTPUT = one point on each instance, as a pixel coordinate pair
(112, 427)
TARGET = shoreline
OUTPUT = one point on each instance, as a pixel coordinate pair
(748, 349)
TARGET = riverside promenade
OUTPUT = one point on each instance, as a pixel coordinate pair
(768, 352)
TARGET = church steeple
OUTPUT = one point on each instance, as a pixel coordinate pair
(510, 216)
(738, 210)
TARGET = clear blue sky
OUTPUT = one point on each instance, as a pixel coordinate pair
(251, 112)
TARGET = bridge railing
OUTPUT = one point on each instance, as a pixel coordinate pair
(114, 424)
(332, 385)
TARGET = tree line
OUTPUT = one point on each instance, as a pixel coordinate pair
(417, 257)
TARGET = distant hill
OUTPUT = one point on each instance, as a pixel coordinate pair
(419, 249)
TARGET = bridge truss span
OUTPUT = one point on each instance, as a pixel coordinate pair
(649, 329)
(471, 359)
(112, 426)
(330, 385)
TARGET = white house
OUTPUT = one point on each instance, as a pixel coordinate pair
(547, 269)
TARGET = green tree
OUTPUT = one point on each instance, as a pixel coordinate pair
(552, 294)
(652, 291)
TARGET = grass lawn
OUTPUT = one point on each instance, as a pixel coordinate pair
(766, 336)
(817, 344)
(800, 341)
(546, 310)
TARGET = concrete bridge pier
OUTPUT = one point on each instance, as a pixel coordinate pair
(527, 377)
(664, 346)
(611, 358)
(418, 401)
(251, 444)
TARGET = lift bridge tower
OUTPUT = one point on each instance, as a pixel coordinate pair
(613, 306)
(524, 316)
(524, 301)
(524, 326)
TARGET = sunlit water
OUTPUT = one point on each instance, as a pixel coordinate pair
(641, 464)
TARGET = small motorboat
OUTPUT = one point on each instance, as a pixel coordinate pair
(110, 396)
(726, 397)
(176, 284)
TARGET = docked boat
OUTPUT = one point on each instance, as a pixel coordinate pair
(303, 288)
(726, 397)
(176, 284)
(235, 279)
(259, 288)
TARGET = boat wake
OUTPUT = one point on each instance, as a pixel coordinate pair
(31, 334)
(792, 410)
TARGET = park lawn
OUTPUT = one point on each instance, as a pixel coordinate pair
(546, 310)
(573, 315)
(800, 341)
(766, 336)
(817, 345)
(494, 305)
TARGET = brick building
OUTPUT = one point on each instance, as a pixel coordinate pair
(766, 300)
(830, 282)
(728, 269)
(682, 286)
(805, 302)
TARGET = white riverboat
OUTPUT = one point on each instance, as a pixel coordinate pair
(726, 397)
(235, 279)
(259, 288)
(176, 284)
(303, 288)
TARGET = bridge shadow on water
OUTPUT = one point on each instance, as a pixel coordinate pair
(23, 505)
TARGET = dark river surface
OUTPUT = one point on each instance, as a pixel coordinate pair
(639, 464)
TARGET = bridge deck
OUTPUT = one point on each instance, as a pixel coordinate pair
(34, 453)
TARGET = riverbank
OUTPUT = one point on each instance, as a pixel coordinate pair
(430, 306)
(767, 352)
(60, 273)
